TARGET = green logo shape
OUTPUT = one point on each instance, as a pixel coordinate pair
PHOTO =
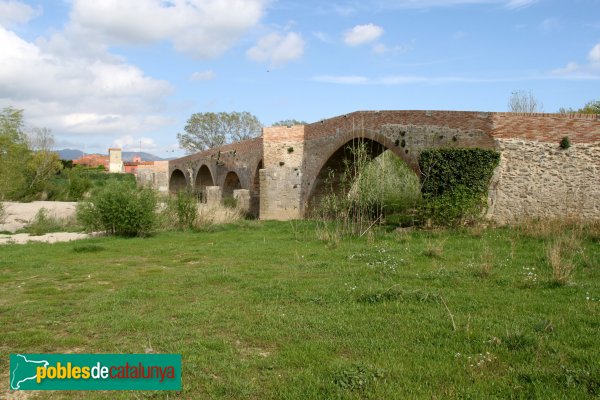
(95, 372)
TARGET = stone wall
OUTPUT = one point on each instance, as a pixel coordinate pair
(154, 175)
(540, 180)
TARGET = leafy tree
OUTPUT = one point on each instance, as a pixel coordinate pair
(524, 102)
(207, 130)
(289, 122)
(43, 163)
(14, 153)
(591, 107)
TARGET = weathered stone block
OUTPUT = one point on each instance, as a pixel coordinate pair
(213, 195)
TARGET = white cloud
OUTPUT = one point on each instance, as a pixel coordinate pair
(594, 54)
(130, 143)
(323, 37)
(550, 24)
(201, 28)
(203, 75)
(14, 12)
(591, 70)
(515, 4)
(382, 49)
(277, 49)
(343, 80)
(361, 34)
(77, 95)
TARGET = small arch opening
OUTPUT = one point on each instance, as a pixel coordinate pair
(232, 182)
(177, 182)
(203, 179)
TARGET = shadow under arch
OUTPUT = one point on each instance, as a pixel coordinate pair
(203, 179)
(177, 181)
(338, 165)
(255, 190)
(231, 183)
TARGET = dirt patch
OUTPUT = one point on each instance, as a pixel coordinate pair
(18, 215)
(22, 238)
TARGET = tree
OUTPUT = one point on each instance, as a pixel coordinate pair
(591, 107)
(289, 122)
(207, 130)
(524, 102)
(14, 153)
(43, 163)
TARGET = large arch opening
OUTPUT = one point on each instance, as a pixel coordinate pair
(255, 192)
(177, 182)
(203, 179)
(232, 182)
(363, 176)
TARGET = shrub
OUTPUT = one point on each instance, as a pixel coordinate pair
(365, 191)
(185, 207)
(79, 183)
(2, 213)
(44, 223)
(565, 143)
(119, 209)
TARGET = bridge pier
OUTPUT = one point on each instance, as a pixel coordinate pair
(281, 177)
(242, 199)
(214, 195)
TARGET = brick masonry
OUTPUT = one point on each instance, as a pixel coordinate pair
(535, 177)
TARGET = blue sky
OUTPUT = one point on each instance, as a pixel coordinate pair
(103, 73)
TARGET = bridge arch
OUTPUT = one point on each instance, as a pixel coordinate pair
(177, 181)
(340, 157)
(231, 183)
(204, 178)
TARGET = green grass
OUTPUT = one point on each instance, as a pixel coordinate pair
(265, 310)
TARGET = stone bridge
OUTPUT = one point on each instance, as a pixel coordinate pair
(283, 171)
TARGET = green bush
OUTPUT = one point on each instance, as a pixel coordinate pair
(454, 183)
(44, 223)
(2, 213)
(565, 143)
(79, 183)
(185, 207)
(119, 209)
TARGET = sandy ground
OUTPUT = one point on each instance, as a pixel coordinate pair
(18, 215)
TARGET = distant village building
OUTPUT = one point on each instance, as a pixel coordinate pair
(149, 173)
(131, 167)
(92, 161)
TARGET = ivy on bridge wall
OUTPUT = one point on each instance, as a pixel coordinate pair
(455, 182)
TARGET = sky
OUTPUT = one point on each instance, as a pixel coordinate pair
(116, 73)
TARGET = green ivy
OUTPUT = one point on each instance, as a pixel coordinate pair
(454, 183)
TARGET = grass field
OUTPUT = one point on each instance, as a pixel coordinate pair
(266, 310)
